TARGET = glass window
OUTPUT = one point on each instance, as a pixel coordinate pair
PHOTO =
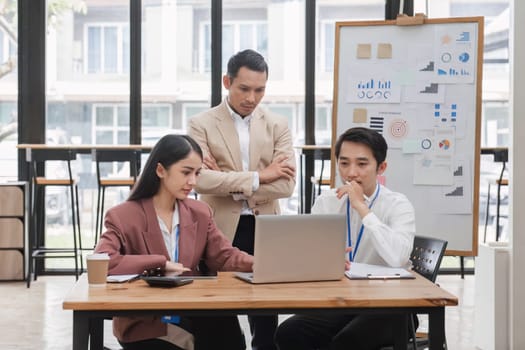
(176, 41)
(323, 124)
(235, 37)
(104, 137)
(206, 47)
(110, 50)
(94, 50)
(87, 93)
(228, 44)
(191, 109)
(123, 117)
(157, 116)
(288, 111)
(495, 124)
(261, 40)
(107, 49)
(9, 95)
(125, 56)
(104, 115)
(111, 120)
(2, 45)
(327, 46)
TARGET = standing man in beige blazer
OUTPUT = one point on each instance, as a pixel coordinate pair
(249, 163)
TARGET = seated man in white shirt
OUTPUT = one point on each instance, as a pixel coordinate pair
(380, 231)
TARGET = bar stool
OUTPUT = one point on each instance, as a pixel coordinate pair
(318, 182)
(105, 160)
(499, 156)
(42, 159)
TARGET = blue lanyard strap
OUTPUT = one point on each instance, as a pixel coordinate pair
(174, 319)
(352, 254)
(176, 252)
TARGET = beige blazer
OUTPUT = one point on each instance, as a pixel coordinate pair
(270, 137)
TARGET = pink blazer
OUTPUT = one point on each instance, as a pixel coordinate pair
(134, 243)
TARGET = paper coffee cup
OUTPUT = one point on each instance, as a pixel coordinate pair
(97, 268)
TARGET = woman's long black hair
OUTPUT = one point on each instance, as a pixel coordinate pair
(168, 150)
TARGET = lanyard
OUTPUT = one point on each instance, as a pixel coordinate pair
(349, 229)
(174, 319)
(176, 252)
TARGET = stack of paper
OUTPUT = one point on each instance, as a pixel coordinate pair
(367, 271)
(121, 278)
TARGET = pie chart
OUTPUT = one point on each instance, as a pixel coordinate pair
(444, 144)
(464, 57)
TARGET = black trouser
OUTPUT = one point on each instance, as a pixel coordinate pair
(336, 332)
(223, 332)
(262, 327)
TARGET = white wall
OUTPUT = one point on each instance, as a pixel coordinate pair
(517, 187)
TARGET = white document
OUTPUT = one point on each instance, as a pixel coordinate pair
(367, 271)
(121, 278)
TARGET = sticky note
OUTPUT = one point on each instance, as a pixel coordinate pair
(384, 50)
(360, 115)
(411, 146)
(364, 51)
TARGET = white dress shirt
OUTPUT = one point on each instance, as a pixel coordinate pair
(170, 235)
(242, 125)
(389, 227)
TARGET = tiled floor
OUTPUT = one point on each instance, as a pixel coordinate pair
(33, 318)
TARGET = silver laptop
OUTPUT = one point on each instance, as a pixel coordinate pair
(295, 248)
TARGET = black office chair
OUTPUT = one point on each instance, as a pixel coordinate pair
(105, 160)
(426, 257)
(61, 177)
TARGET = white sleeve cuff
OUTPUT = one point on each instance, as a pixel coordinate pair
(255, 184)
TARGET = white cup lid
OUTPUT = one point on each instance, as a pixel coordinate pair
(98, 256)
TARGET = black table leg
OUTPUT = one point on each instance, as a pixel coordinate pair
(96, 331)
(436, 332)
(80, 330)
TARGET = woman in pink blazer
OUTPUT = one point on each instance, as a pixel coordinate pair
(160, 227)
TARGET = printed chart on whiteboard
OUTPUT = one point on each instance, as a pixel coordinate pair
(418, 87)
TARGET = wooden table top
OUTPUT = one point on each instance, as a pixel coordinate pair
(229, 293)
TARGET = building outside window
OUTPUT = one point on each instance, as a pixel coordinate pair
(8, 91)
(327, 46)
(107, 48)
(236, 36)
(110, 124)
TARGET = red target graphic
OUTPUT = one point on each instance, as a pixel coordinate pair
(398, 128)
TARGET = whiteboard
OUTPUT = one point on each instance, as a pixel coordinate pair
(420, 87)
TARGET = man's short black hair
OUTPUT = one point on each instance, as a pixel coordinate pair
(371, 138)
(247, 58)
